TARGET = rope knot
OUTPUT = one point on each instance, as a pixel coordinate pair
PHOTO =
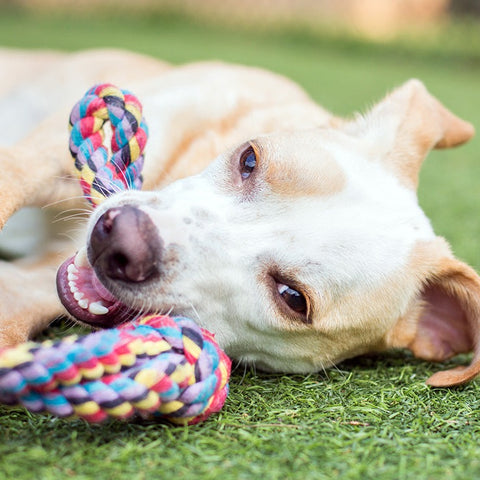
(100, 176)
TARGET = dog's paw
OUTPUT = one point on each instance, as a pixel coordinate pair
(11, 198)
(11, 336)
(22, 326)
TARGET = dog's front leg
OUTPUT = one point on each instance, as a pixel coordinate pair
(35, 171)
(38, 169)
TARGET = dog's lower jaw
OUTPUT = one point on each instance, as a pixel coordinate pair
(86, 299)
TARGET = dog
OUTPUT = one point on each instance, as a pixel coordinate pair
(292, 234)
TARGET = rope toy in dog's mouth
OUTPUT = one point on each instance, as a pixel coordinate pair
(156, 366)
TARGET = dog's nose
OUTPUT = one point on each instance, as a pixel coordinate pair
(125, 245)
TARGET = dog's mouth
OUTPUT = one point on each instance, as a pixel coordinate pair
(86, 298)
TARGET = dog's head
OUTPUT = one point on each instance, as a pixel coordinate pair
(297, 249)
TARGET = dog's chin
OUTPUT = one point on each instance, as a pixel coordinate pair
(86, 298)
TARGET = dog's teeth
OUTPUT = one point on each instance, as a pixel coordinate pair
(72, 276)
(81, 259)
(97, 308)
(73, 287)
(78, 295)
(83, 303)
(72, 269)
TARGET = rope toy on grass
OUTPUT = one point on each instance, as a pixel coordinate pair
(156, 366)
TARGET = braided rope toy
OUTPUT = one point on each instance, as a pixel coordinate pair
(101, 176)
(156, 366)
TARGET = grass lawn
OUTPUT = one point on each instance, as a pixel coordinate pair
(371, 417)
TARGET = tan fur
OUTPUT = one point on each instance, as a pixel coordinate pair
(325, 178)
(420, 123)
(436, 265)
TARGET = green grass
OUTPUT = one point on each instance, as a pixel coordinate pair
(370, 418)
(373, 418)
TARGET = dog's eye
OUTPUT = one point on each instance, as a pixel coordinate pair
(248, 160)
(295, 300)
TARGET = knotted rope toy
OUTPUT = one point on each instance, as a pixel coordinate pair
(100, 175)
(156, 366)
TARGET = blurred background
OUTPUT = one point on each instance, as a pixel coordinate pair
(372, 18)
(321, 43)
(345, 53)
(379, 19)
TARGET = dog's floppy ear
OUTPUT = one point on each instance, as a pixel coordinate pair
(405, 126)
(445, 321)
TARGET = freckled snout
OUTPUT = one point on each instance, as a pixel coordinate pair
(125, 245)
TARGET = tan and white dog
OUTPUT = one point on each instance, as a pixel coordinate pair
(293, 235)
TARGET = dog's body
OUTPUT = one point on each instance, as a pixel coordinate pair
(301, 245)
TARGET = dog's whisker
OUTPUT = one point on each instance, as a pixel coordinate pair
(147, 309)
(237, 365)
(68, 323)
(331, 366)
(73, 216)
(112, 187)
(122, 174)
(73, 210)
(197, 315)
(250, 367)
(71, 236)
(70, 199)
